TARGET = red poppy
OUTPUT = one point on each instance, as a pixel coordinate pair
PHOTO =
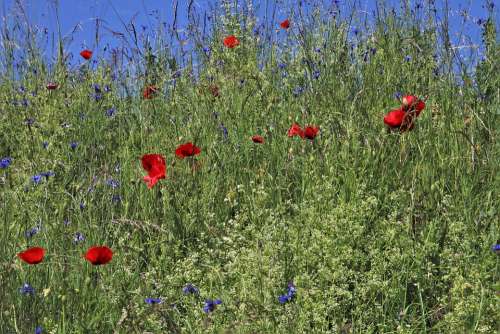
(394, 118)
(285, 24)
(86, 54)
(295, 130)
(411, 102)
(98, 255)
(52, 86)
(258, 139)
(155, 165)
(32, 255)
(214, 89)
(187, 150)
(149, 92)
(310, 132)
(231, 41)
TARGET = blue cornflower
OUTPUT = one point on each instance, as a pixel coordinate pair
(31, 232)
(5, 162)
(225, 133)
(281, 65)
(38, 330)
(496, 248)
(207, 51)
(79, 237)
(210, 305)
(291, 291)
(113, 183)
(82, 205)
(29, 121)
(190, 288)
(116, 199)
(27, 289)
(110, 112)
(45, 144)
(73, 145)
(398, 95)
(316, 74)
(408, 58)
(297, 91)
(97, 88)
(36, 178)
(48, 174)
(107, 88)
(177, 74)
(153, 301)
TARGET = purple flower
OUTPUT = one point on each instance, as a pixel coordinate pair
(116, 199)
(31, 232)
(152, 301)
(496, 248)
(45, 144)
(110, 112)
(27, 289)
(36, 178)
(190, 289)
(5, 162)
(79, 237)
(210, 305)
(113, 183)
(291, 292)
(297, 91)
(316, 74)
(38, 330)
(73, 145)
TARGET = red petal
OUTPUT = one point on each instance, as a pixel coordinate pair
(99, 255)
(394, 118)
(32, 255)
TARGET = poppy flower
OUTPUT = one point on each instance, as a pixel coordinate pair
(411, 102)
(33, 255)
(149, 92)
(285, 24)
(52, 86)
(98, 255)
(231, 41)
(155, 165)
(187, 150)
(310, 132)
(295, 130)
(86, 54)
(214, 89)
(394, 118)
(258, 139)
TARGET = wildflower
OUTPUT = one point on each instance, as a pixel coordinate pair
(33, 231)
(295, 130)
(394, 118)
(210, 305)
(411, 102)
(225, 132)
(48, 174)
(155, 165)
(257, 139)
(29, 121)
(82, 205)
(38, 330)
(152, 301)
(5, 162)
(116, 199)
(86, 54)
(496, 248)
(231, 41)
(113, 183)
(297, 91)
(33, 255)
(66, 222)
(27, 289)
(36, 179)
(316, 74)
(73, 145)
(291, 291)
(285, 24)
(207, 51)
(45, 144)
(79, 237)
(99, 255)
(149, 92)
(190, 289)
(310, 132)
(52, 86)
(110, 112)
(408, 58)
(187, 150)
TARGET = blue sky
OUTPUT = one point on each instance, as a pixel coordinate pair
(78, 17)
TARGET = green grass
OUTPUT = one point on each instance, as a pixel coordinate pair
(380, 232)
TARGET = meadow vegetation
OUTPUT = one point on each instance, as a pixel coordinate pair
(361, 229)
